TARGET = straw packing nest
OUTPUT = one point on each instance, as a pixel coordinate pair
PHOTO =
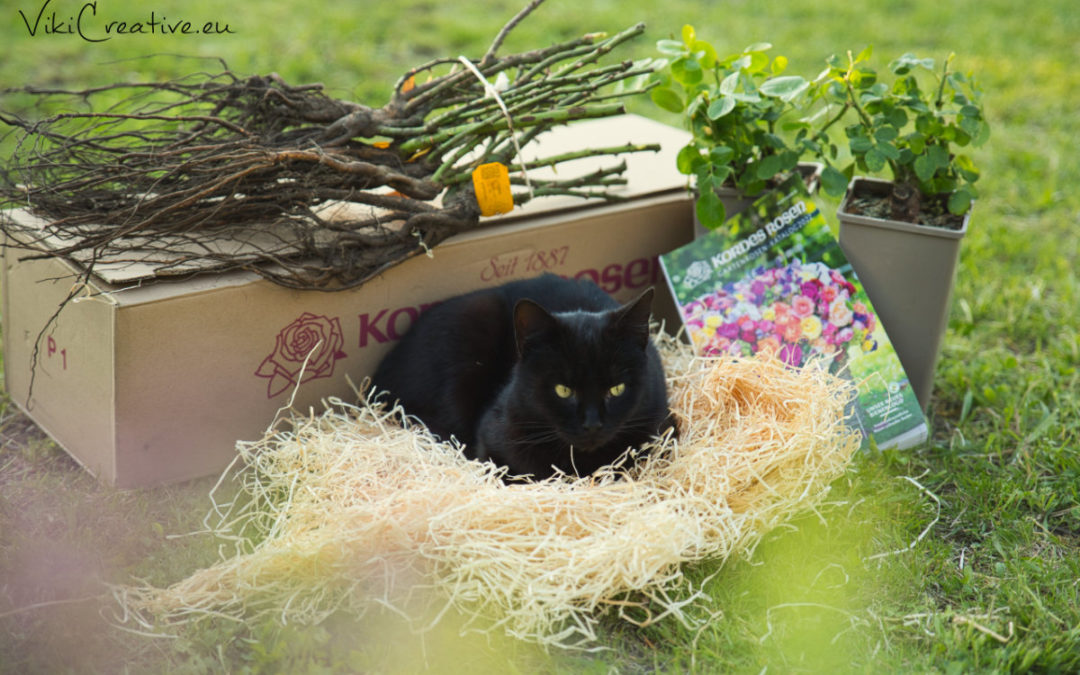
(350, 510)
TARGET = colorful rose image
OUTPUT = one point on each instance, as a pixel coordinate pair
(306, 349)
(795, 310)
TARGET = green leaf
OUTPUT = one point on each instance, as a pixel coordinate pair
(959, 136)
(695, 105)
(710, 209)
(885, 134)
(769, 167)
(875, 92)
(788, 160)
(966, 168)
(875, 160)
(927, 125)
(703, 177)
(909, 62)
(720, 107)
(749, 183)
(942, 184)
(686, 71)
(688, 159)
(785, 87)
(671, 47)
(747, 98)
(721, 155)
(706, 53)
(667, 98)
(688, 35)
(938, 155)
(864, 55)
(889, 150)
(861, 144)
(758, 62)
(970, 125)
(833, 181)
(862, 77)
(924, 167)
(779, 65)
(772, 141)
(721, 173)
(971, 111)
(729, 84)
(916, 142)
(960, 201)
(897, 117)
(758, 47)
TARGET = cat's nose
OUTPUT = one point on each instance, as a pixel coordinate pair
(592, 422)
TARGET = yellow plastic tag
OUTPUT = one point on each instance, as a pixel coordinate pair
(492, 184)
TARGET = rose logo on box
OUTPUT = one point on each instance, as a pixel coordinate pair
(311, 338)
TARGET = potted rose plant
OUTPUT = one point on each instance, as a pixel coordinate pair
(902, 234)
(741, 111)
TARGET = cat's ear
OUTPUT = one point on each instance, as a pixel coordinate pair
(632, 319)
(530, 321)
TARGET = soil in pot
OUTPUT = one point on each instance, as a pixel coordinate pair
(905, 204)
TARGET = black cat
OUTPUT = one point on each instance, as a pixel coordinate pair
(534, 374)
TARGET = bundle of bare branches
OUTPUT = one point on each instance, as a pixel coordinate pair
(167, 171)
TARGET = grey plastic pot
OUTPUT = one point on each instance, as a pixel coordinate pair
(736, 202)
(908, 271)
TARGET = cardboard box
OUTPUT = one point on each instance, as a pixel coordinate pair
(147, 381)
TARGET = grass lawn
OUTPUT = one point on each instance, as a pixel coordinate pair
(962, 555)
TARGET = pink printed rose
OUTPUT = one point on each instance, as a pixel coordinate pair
(306, 349)
(802, 306)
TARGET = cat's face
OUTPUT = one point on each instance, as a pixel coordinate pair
(581, 374)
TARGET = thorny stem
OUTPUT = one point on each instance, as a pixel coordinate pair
(550, 117)
(939, 101)
(497, 42)
(566, 157)
(853, 97)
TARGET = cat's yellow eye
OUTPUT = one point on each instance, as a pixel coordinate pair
(618, 389)
(563, 391)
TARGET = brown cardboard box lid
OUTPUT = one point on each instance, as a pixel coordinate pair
(647, 173)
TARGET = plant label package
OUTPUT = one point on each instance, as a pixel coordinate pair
(146, 379)
(774, 278)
